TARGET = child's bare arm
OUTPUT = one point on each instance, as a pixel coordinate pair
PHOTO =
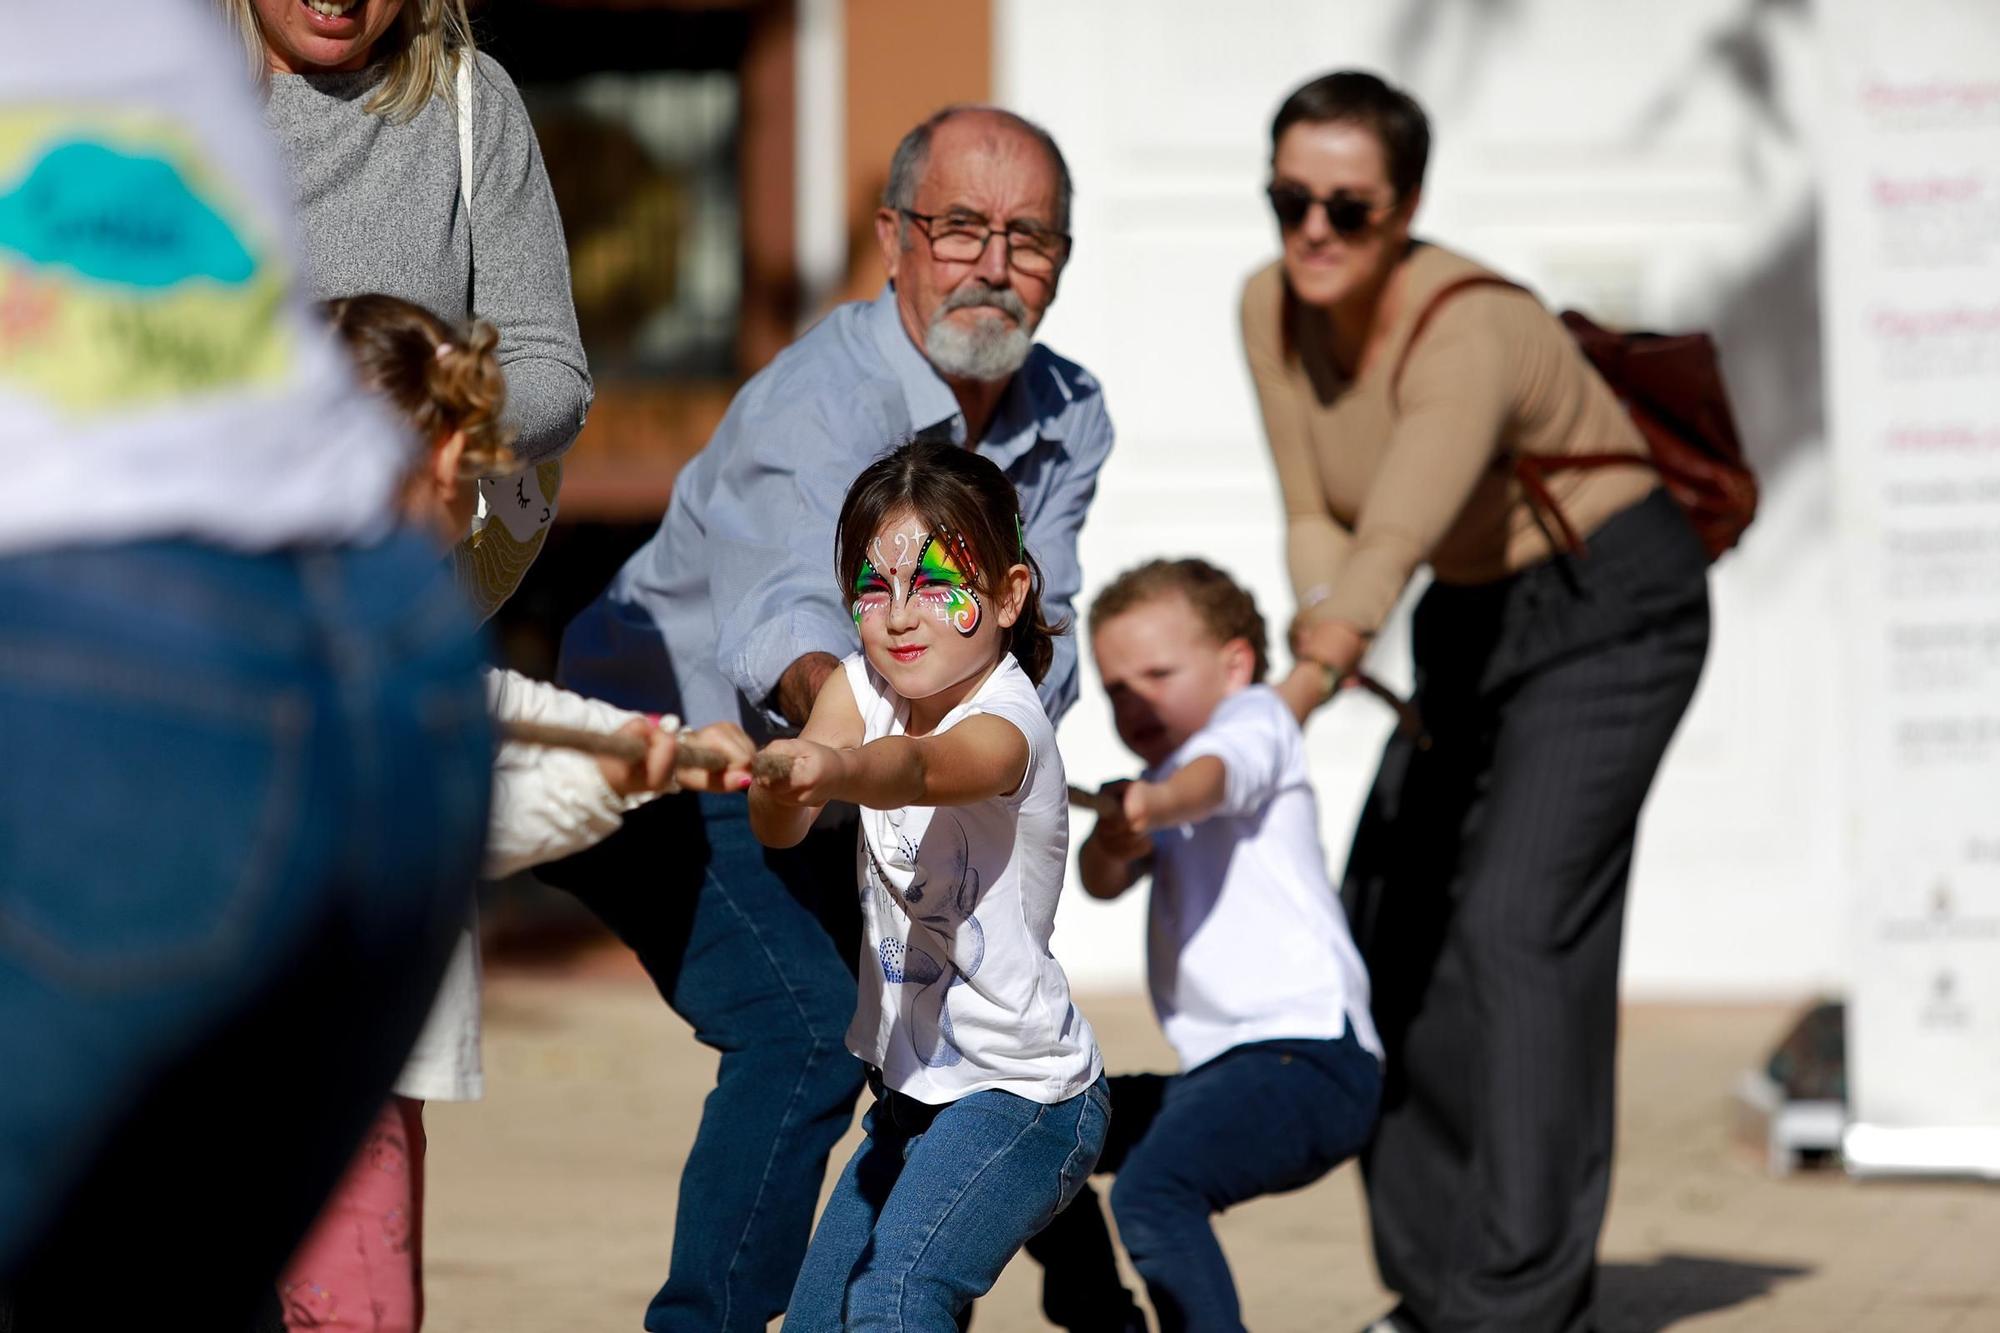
(835, 725)
(1114, 856)
(982, 757)
(1306, 687)
(1119, 851)
(1194, 792)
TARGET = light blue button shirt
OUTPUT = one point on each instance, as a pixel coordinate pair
(739, 581)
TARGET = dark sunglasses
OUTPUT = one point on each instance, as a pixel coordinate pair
(1348, 214)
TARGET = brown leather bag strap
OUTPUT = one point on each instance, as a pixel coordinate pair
(1431, 307)
(1568, 462)
(1531, 469)
(1542, 501)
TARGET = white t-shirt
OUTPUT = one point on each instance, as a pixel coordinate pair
(160, 374)
(1245, 938)
(959, 992)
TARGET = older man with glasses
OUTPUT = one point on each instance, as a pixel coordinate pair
(732, 612)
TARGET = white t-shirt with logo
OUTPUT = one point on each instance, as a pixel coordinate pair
(160, 372)
(1245, 938)
(959, 992)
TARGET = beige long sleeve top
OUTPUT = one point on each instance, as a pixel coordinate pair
(1374, 489)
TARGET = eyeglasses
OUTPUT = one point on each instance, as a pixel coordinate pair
(959, 239)
(1348, 214)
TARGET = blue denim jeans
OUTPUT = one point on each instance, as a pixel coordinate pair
(241, 806)
(755, 948)
(1261, 1118)
(935, 1202)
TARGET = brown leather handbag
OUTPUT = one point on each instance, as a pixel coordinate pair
(1671, 384)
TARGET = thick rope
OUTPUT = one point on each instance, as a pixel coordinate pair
(691, 754)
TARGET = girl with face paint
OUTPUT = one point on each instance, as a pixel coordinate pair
(917, 605)
(990, 1104)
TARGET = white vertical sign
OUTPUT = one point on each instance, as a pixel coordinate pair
(1912, 318)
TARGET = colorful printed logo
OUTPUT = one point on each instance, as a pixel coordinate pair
(126, 277)
(118, 219)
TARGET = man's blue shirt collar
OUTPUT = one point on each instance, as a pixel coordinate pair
(1032, 409)
(929, 399)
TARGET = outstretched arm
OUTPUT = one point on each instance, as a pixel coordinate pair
(1052, 533)
(982, 757)
(835, 723)
(1192, 794)
(520, 271)
(1308, 685)
(1114, 856)
(1119, 851)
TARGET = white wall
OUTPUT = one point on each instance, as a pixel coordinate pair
(1647, 162)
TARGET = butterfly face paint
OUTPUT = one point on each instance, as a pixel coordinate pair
(872, 594)
(932, 571)
(943, 582)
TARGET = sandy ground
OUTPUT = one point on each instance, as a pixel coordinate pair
(551, 1203)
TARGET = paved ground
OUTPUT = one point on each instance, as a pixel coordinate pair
(551, 1203)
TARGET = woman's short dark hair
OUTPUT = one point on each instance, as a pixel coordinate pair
(958, 491)
(1354, 97)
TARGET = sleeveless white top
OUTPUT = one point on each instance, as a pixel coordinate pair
(959, 992)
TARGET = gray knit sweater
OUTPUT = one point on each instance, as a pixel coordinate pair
(379, 212)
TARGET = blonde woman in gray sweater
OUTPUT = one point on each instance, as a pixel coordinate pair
(416, 174)
(374, 103)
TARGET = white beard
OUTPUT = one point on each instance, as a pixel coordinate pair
(992, 349)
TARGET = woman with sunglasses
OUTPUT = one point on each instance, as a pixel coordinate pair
(1487, 877)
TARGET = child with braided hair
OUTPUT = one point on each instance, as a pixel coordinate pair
(361, 1266)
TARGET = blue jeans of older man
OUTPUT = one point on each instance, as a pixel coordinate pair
(241, 807)
(935, 1202)
(755, 948)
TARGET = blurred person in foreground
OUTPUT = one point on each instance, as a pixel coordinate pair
(727, 615)
(247, 754)
(1486, 882)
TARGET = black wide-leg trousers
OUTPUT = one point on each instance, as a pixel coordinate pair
(1486, 886)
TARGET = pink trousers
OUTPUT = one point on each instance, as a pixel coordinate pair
(361, 1266)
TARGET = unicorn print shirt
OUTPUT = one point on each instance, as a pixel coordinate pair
(959, 992)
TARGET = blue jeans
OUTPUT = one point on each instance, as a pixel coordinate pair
(241, 806)
(1261, 1118)
(936, 1201)
(755, 948)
